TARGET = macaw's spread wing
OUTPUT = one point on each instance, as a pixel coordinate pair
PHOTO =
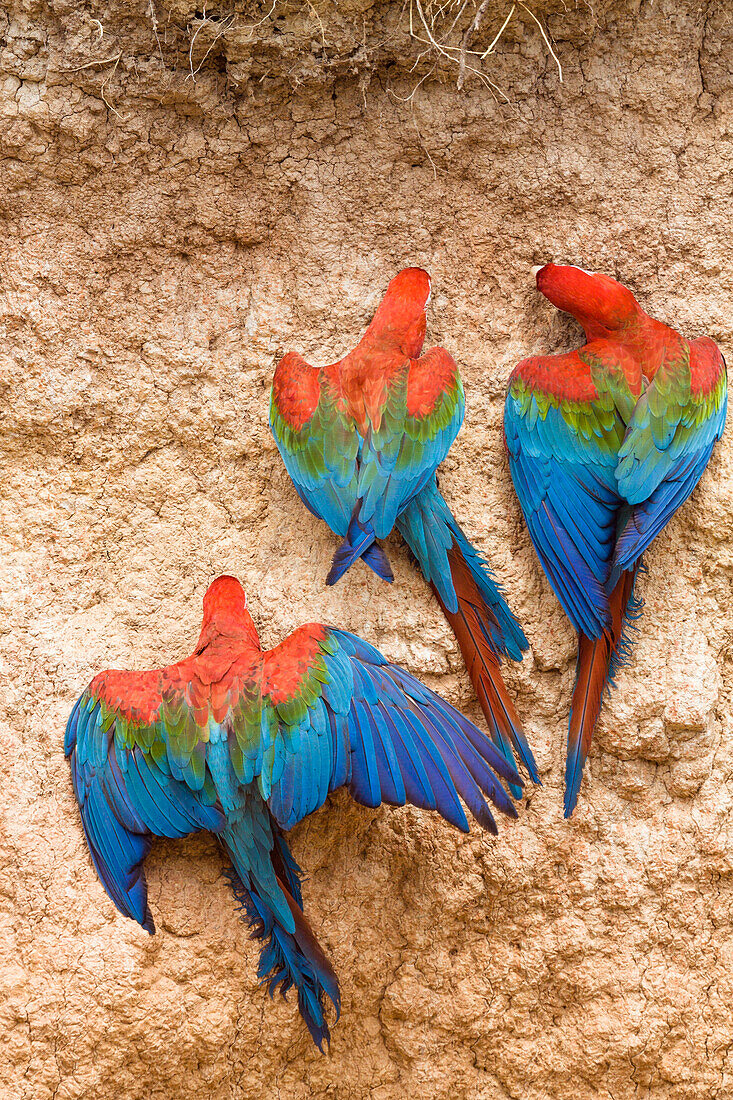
(670, 438)
(138, 769)
(341, 715)
(422, 414)
(563, 437)
(318, 444)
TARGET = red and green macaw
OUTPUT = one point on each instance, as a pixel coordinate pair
(605, 444)
(245, 742)
(362, 439)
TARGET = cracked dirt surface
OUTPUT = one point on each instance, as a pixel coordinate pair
(163, 241)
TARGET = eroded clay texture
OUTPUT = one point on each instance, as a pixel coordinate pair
(165, 235)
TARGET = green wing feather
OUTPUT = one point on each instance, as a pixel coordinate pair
(422, 416)
(668, 444)
(321, 458)
(670, 422)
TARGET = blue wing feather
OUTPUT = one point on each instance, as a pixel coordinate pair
(390, 776)
(388, 738)
(656, 489)
(125, 799)
(565, 482)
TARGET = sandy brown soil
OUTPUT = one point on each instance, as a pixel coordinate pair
(162, 240)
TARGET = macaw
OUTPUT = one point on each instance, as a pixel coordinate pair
(605, 444)
(245, 742)
(361, 440)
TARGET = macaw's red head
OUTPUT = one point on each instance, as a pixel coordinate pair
(602, 306)
(225, 611)
(400, 318)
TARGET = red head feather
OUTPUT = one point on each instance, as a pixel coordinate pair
(225, 613)
(400, 318)
(601, 305)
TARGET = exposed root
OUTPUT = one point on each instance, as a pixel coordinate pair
(471, 29)
(94, 64)
(319, 21)
(423, 146)
(454, 37)
(249, 31)
(154, 24)
(222, 27)
(105, 82)
(544, 35)
(101, 63)
(435, 25)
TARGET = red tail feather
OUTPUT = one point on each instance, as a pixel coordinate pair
(483, 663)
(591, 676)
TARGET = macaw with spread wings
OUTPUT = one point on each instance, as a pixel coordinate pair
(605, 444)
(361, 440)
(245, 743)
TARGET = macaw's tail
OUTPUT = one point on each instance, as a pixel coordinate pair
(473, 604)
(291, 956)
(360, 542)
(597, 664)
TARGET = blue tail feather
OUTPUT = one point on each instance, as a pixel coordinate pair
(360, 542)
(474, 605)
(289, 959)
(428, 515)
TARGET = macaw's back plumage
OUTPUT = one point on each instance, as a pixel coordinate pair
(605, 444)
(245, 743)
(362, 439)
